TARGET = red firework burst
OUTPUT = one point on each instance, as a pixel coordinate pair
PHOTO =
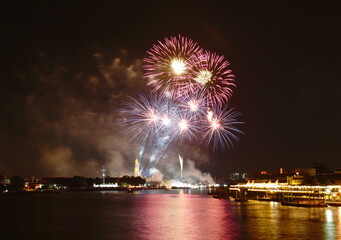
(212, 75)
(169, 65)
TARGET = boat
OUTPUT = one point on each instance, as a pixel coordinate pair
(240, 200)
(266, 199)
(333, 204)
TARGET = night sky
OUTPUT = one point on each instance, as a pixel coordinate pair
(66, 67)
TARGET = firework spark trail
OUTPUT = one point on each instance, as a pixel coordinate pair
(181, 161)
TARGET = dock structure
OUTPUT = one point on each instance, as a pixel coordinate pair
(294, 195)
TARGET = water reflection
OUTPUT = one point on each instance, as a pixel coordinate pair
(184, 216)
(339, 225)
(273, 221)
(329, 225)
(161, 215)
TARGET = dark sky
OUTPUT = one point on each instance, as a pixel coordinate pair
(61, 84)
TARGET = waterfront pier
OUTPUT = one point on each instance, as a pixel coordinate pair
(294, 195)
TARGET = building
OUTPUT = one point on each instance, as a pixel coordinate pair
(295, 180)
(136, 168)
(238, 177)
(306, 171)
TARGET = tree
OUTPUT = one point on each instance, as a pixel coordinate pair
(2, 187)
(321, 168)
(17, 182)
(139, 181)
(135, 181)
(125, 180)
(78, 182)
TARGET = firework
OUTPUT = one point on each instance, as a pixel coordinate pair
(196, 102)
(195, 86)
(152, 117)
(140, 116)
(169, 65)
(220, 127)
(213, 76)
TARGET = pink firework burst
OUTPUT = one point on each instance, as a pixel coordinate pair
(213, 76)
(169, 65)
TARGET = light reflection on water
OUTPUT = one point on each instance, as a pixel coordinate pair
(173, 214)
(183, 216)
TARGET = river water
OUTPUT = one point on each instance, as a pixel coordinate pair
(159, 214)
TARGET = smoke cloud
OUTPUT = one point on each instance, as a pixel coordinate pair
(168, 168)
(62, 118)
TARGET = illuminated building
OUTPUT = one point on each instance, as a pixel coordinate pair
(238, 177)
(295, 180)
(136, 168)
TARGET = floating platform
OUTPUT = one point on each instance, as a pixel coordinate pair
(296, 204)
